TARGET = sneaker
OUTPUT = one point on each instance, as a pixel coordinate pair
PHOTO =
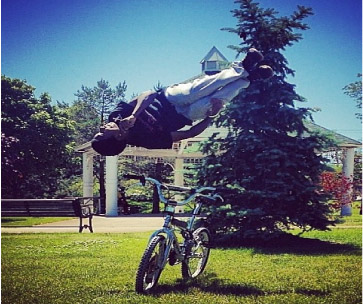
(262, 72)
(252, 58)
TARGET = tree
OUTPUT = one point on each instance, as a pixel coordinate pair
(90, 111)
(268, 162)
(357, 176)
(35, 141)
(354, 90)
(88, 121)
(102, 98)
(92, 106)
(154, 168)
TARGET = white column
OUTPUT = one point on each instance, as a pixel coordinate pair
(179, 180)
(348, 170)
(179, 172)
(111, 186)
(87, 175)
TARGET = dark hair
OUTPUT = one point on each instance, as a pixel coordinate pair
(108, 147)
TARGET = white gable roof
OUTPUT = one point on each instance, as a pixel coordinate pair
(214, 55)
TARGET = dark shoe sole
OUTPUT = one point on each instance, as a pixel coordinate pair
(252, 58)
(262, 72)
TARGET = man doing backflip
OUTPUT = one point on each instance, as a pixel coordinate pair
(153, 120)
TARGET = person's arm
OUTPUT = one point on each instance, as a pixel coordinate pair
(192, 132)
(140, 103)
(217, 106)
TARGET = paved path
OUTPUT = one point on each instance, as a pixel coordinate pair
(101, 224)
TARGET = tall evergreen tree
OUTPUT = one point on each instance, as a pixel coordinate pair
(267, 163)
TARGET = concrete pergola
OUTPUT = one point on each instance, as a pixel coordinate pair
(176, 158)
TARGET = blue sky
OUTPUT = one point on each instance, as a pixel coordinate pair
(60, 45)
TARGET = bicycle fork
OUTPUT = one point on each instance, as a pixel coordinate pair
(170, 241)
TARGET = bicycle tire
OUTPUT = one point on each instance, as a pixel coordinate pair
(148, 273)
(197, 254)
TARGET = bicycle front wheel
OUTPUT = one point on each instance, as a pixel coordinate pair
(197, 254)
(150, 266)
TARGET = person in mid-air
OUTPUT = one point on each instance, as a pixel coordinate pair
(153, 119)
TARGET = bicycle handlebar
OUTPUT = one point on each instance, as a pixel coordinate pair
(194, 192)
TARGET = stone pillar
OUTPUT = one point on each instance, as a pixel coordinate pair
(179, 180)
(87, 175)
(179, 172)
(111, 186)
(348, 169)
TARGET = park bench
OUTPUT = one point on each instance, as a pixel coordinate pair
(82, 207)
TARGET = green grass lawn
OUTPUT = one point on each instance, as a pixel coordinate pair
(320, 267)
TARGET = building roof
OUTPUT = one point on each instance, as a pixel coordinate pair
(342, 141)
(214, 55)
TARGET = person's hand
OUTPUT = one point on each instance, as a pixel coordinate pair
(127, 123)
(216, 107)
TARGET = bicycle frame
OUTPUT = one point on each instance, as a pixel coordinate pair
(167, 241)
(171, 239)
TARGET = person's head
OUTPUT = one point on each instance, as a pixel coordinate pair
(109, 142)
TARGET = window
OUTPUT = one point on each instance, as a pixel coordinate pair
(176, 145)
(211, 65)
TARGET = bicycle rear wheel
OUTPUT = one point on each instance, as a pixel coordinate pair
(197, 254)
(150, 266)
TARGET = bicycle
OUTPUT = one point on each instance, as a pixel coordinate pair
(163, 246)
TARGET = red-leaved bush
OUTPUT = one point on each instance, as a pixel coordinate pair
(338, 186)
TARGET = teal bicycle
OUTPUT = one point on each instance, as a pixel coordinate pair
(163, 247)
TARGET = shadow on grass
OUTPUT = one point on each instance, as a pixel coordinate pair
(17, 219)
(12, 222)
(312, 292)
(291, 244)
(207, 282)
(211, 284)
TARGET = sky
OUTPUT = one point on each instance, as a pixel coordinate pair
(59, 45)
